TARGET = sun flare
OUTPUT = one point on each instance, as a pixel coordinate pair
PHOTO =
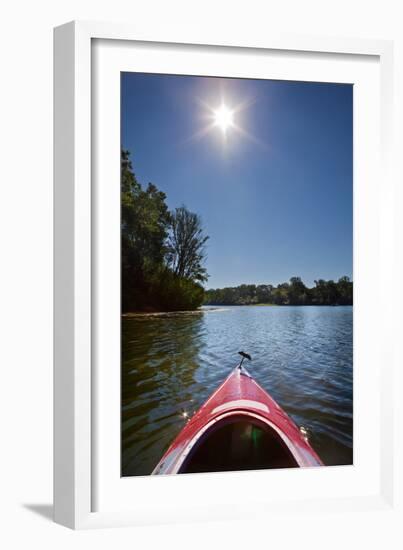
(223, 118)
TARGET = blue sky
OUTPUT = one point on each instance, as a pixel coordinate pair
(275, 196)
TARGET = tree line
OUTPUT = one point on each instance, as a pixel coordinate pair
(162, 251)
(293, 292)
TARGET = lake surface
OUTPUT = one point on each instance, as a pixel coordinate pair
(303, 356)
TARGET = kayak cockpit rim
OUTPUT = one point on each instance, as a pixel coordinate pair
(232, 416)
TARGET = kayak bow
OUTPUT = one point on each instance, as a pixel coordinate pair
(240, 427)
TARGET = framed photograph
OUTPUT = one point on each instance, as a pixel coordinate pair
(222, 247)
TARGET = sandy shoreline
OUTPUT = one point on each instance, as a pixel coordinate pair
(170, 313)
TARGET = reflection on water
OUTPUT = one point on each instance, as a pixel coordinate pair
(172, 362)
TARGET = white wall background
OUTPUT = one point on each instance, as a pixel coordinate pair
(26, 260)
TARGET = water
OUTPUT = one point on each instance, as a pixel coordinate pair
(303, 356)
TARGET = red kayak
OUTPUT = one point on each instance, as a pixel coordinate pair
(240, 427)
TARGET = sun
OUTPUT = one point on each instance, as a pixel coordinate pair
(223, 118)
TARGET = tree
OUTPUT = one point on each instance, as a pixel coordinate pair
(149, 281)
(264, 294)
(345, 287)
(280, 294)
(297, 293)
(186, 245)
(145, 217)
(320, 292)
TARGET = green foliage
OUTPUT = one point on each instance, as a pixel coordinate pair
(177, 293)
(293, 293)
(150, 279)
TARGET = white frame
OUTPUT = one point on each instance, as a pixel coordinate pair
(74, 396)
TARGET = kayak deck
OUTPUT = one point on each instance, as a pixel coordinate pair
(240, 427)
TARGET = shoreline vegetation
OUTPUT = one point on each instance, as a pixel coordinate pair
(164, 254)
(292, 293)
(163, 251)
